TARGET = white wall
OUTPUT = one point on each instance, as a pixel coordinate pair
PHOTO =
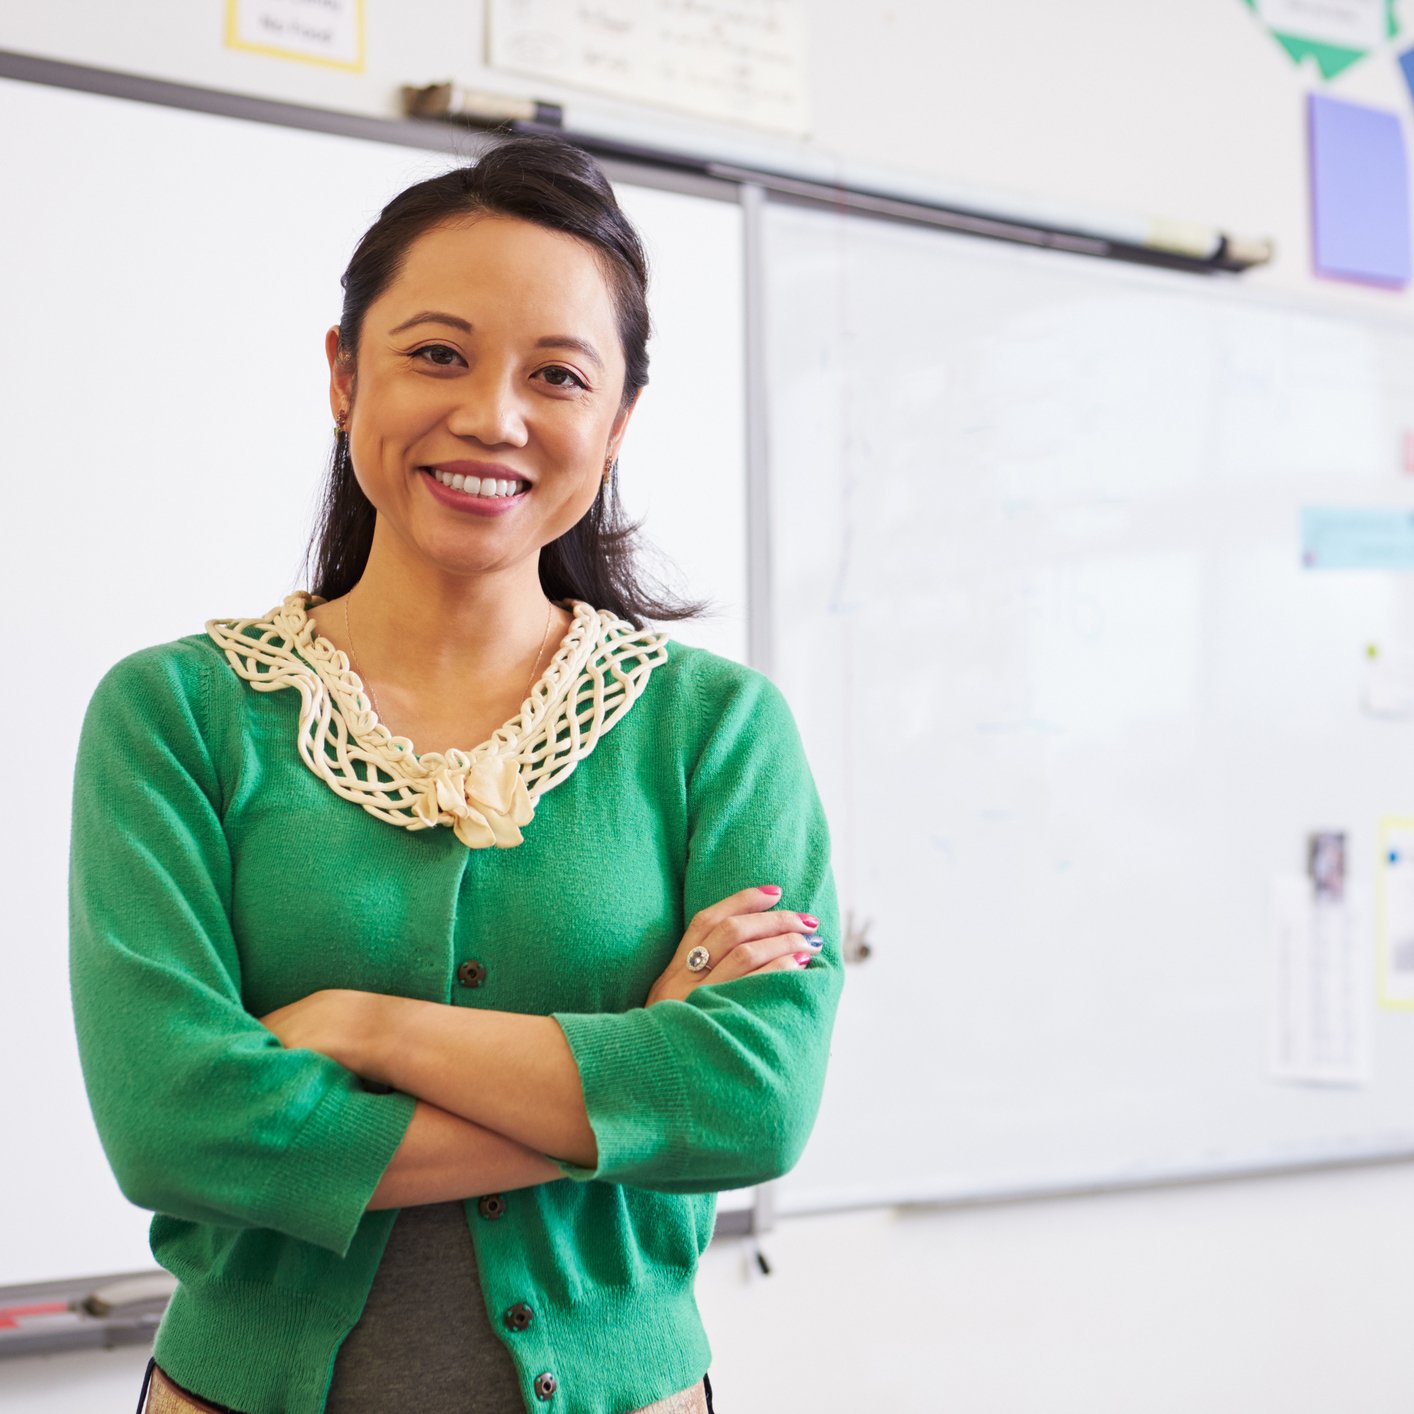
(1287, 1295)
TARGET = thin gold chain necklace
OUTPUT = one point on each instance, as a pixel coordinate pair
(372, 697)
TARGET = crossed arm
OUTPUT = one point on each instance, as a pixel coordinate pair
(498, 1091)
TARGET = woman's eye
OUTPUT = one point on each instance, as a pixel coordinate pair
(559, 377)
(439, 354)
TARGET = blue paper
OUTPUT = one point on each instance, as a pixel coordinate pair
(1359, 192)
(1357, 537)
(1406, 62)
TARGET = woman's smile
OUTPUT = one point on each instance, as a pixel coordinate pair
(481, 488)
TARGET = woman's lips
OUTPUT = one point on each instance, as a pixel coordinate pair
(491, 496)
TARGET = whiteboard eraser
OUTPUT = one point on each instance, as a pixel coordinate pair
(451, 100)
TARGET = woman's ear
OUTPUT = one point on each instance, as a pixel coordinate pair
(340, 375)
(616, 432)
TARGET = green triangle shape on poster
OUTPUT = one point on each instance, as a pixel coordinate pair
(1329, 58)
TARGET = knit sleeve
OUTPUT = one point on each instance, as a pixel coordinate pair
(203, 1114)
(721, 1090)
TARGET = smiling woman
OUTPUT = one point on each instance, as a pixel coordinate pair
(430, 1096)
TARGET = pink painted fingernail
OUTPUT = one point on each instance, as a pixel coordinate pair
(802, 959)
(811, 923)
(771, 889)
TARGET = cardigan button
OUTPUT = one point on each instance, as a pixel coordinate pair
(545, 1385)
(492, 1206)
(519, 1317)
(471, 973)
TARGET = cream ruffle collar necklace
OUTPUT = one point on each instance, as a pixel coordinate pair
(488, 794)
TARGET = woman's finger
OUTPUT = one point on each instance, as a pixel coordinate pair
(791, 962)
(747, 901)
(732, 933)
(761, 954)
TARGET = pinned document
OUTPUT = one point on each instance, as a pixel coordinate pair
(1357, 538)
(315, 31)
(1333, 33)
(1396, 911)
(742, 62)
(1388, 689)
(1320, 1015)
(1359, 192)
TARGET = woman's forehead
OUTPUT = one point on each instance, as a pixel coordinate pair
(502, 265)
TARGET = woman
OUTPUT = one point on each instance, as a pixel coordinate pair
(431, 1096)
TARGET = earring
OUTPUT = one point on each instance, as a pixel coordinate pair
(339, 421)
(610, 467)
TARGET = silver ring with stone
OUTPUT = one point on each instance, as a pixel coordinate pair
(699, 960)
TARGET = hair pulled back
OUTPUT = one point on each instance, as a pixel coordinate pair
(552, 184)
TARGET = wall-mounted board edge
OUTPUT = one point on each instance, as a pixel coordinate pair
(82, 1313)
(631, 162)
(1181, 1175)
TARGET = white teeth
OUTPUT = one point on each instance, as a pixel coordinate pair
(477, 486)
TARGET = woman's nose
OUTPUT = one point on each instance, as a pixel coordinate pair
(490, 412)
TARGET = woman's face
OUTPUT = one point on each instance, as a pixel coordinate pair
(492, 357)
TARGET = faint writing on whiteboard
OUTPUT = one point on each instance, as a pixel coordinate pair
(738, 60)
(1348, 24)
(1320, 1013)
(320, 31)
(1396, 907)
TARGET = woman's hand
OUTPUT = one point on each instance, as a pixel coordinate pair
(333, 1022)
(741, 938)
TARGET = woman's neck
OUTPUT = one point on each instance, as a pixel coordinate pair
(447, 658)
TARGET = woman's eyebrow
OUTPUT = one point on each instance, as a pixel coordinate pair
(433, 316)
(566, 341)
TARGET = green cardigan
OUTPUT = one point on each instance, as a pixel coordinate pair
(215, 878)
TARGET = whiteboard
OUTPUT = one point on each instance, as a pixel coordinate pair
(167, 283)
(1072, 700)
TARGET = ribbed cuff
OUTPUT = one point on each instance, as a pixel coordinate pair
(633, 1092)
(321, 1188)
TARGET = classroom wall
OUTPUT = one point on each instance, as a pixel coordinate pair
(1283, 1294)
(1187, 111)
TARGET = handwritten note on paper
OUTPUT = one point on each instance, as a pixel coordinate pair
(318, 31)
(738, 60)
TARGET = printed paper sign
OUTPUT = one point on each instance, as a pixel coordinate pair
(1357, 538)
(319, 31)
(1334, 34)
(1320, 1016)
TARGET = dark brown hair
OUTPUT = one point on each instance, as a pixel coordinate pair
(552, 184)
